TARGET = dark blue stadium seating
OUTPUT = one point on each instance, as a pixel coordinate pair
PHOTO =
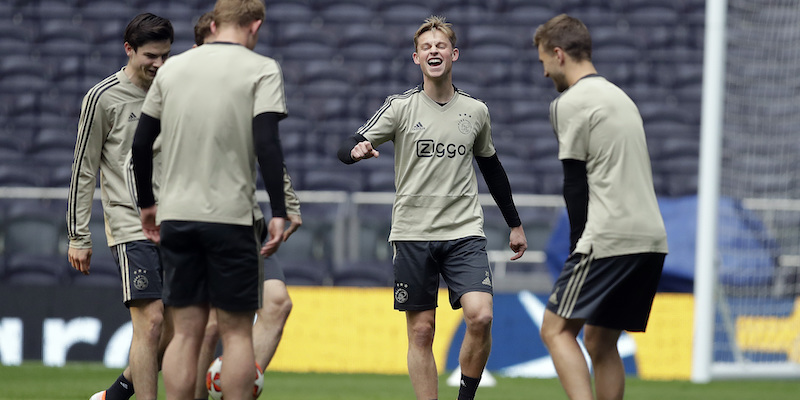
(340, 60)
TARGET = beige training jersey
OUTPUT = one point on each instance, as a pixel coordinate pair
(596, 122)
(290, 196)
(109, 116)
(206, 99)
(434, 145)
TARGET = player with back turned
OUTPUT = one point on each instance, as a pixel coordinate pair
(217, 109)
(617, 237)
(273, 314)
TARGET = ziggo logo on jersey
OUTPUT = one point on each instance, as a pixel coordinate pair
(429, 148)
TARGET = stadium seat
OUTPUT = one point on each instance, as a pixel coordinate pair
(303, 41)
(33, 242)
(102, 10)
(347, 11)
(364, 44)
(462, 13)
(526, 13)
(64, 38)
(21, 73)
(333, 180)
(16, 39)
(289, 11)
(404, 12)
(15, 175)
(54, 146)
(364, 273)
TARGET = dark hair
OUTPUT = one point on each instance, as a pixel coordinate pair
(568, 33)
(202, 29)
(146, 28)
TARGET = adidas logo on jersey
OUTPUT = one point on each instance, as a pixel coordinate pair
(487, 281)
(418, 126)
(132, 118)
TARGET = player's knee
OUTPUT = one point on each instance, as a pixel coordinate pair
(599, 347)
(479, 320)
(283, 306)
(421, 335)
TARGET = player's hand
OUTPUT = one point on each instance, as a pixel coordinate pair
(151, 231)
(363, 150)
(295, 221)
(275, 229)
(517, 242)
(80, 259)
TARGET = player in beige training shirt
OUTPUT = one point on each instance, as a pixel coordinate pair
(217, 109)
(109, 114)
(437, 221)
(617, 236)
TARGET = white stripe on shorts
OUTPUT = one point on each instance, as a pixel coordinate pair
(122, 255)
(574, 286)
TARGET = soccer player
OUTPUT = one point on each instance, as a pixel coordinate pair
(271, 317)
(437, 221)
(617, 237)
(218, 107)
(109, 113)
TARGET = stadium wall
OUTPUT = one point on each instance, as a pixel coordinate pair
(334, 329)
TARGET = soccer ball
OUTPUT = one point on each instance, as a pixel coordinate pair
(214, 385)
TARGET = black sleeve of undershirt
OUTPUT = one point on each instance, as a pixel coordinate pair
(142, 156)
(270, 159)
(346, 146)
(576, 197)
(496, 179)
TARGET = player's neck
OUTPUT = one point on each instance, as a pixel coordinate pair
(579, 70)
(232, 34)
(135, 79)
(439, 90)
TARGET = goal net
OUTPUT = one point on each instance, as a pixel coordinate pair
(756, 324)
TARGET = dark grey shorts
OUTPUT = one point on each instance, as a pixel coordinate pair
(462, 263)
(140, 269)
(612, 292)
(211, 263)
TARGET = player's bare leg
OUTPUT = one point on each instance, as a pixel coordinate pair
(206, 356)
(180, 359)
(421, 326)
(609, 371)
(271, 319)
(477, 342)
(239, 365)
(147, 317)
(560, 337)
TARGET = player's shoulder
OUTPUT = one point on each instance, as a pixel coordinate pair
(470, 97)
(104, 86)
(402, 99)
(472, 102)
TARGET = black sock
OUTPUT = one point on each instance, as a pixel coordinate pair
(122, 389)
(468, 387)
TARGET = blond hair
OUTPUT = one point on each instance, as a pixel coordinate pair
(438, 23)
(238, 12)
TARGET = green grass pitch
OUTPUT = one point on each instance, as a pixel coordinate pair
(76, 381)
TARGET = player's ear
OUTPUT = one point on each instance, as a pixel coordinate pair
(415, 56)
(255, 25)
(455, 54)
